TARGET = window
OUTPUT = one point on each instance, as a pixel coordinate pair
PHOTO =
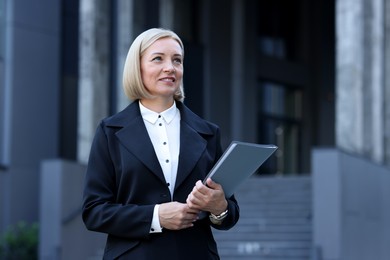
(279, 33)
(281, 82)
(280, 123)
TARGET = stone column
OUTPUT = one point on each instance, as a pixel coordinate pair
(349, 74)
(374, 80)
(359, 77)
(93, 99)
(387, 82)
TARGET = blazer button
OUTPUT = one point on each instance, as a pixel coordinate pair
(164, 195)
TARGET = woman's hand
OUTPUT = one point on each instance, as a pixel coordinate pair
(175, 215)
(209, 198)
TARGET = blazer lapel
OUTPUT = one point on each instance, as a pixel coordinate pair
(135, 138)
(192, 143)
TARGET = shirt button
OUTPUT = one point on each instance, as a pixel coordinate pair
(167, 161)
(164, 143)
(159, 116)
(160, 124)
(152, 229)
(168, 184)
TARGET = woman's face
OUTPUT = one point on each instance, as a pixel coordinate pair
(162, 67)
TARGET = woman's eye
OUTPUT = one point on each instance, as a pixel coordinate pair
(178, 61)
(157, 58)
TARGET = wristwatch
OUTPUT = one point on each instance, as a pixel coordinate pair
(217, 219)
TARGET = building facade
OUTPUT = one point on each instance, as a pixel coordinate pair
(298, 74)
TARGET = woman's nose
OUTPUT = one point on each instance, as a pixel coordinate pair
(169, 67)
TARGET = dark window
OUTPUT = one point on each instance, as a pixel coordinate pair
(280, 123)
(279, 25)
(69, 84)
(280, 117)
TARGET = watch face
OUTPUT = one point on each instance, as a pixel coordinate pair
(215, 221)
(220, 216)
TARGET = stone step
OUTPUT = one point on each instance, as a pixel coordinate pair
(279, 212)
(265, 236)
(265, 228)
(275, 220)
(282, 200)
(301, 181)
(248, 206)
(284, 249)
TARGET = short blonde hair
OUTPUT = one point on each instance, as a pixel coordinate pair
(132, 79)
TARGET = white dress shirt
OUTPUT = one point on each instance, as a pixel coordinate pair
(164, 132)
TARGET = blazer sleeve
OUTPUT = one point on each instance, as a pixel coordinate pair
(100, 211)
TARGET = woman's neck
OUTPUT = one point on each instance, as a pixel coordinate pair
(157, 105)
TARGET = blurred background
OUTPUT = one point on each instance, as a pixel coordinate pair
(312, 77)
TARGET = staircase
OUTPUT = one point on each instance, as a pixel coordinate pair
(275, 221)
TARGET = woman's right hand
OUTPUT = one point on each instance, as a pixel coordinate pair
(175, 215)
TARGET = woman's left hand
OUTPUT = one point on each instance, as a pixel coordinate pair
(209, 198)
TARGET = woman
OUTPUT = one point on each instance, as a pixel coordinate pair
(144, 178)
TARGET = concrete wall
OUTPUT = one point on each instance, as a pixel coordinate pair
(351, 206)
(62, 232)
(30, 112)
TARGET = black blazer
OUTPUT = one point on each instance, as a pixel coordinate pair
(124, 181)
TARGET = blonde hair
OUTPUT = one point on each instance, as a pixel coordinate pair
(132, 80)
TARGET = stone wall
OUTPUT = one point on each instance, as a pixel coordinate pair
(351, 206)
(62, 232)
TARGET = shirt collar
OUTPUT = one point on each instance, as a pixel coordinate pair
(152, 116)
